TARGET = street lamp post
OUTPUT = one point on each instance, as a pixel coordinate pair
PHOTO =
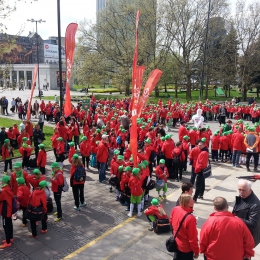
(37, 46)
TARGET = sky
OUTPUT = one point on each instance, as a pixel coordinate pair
(71, 11)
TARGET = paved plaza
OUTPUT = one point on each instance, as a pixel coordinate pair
(102, 230)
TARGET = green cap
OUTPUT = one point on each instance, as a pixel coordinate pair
(20, 180)
(97, 142)
(120, 157)
(162, 161)
(135, 171)
(75, 156)
(163, 138)
(5, 179)
(17, 165)
(207, 127)
(116, 152)
(36, 171)
(71, 144)
(60, 139)
(84, 138)
(155, 202)
(43, 184)
(215, 134)
(25, 139)
(167, 137)
(41, 146)
(185, 137)
(103, 127)
(98, 130)
(195, 128)
(6, 141)
(188, 127)
(203, 140)
(145, 162)
(148, 141)
(55, 165)
(120, 168)
(128, 169)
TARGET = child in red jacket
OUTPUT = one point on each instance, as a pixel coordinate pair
(7, 154)
(224, 146)
(42, 159)
(162, 174)
(94, 146)
(60, 151)
(23, 194)
(72, 151)
(85, 150)
(215, 147)
(25, 150)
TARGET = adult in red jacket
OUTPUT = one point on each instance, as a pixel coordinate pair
(182, 131)
(215, 147)
(193, 159)
(60, 151)
(6, 196)
(85, 149)
(135, 185)
(225, 236)
(35, 178)
(7, 154)
(167, 149)
(193, 136)
(25, 150)
(23, 194)
(201, 164)
(42, 158)
(57, 182)
(156, 211)
(102, 156)
(77, 186)
(148, 150)
(224, 142)
(237, 143)
(54, 141)
(38, 199)
(187, 237)
(178, 156)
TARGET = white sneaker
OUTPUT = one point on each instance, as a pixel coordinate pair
(139, 214)
(129, 214)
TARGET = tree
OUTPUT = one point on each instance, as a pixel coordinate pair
(247, 23)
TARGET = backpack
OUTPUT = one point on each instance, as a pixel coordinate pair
(80, 174)
(176, 158)
(119, 140)
(152, 156)
(14, 205)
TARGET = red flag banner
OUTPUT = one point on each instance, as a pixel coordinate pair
(135, 95)
(69, 48)
(148, 89)
(35, 72)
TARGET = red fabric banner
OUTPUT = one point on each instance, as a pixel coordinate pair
(35, 72)
(69, 48)
(135, 95)
(148, 89)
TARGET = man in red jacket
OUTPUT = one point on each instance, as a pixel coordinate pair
(201, 164)
(237, 142)
(167, 150)
(182, 131)
(223, 226)
(102, 156)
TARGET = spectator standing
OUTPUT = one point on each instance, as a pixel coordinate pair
(36, 107)
(3, 135)
(41, 120)
(37, 139)
(237, 143)
(13, 104)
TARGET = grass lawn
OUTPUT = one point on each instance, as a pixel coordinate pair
(46, 129)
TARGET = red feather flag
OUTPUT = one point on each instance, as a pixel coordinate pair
(69, 48)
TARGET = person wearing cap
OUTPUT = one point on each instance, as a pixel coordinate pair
(57, 182)
(224, 145)
(35, 178)
(7, 154)
(25, 150)
(125, 191)
(186, 150)
(42, 158)
(72, 151)
(60, 151)
(3, 135)
(135, 186)
(162, 173)
(149, 153)
(12, 137)
(156, 211)
(77, 186)
(6, 196)
(215, 146)
(102, 156)
(178, 161)
(201, 164)
(38, 138)
(93, 159)
(193, 137)
(167, 149)
(182, 131)
(85, 149)
(54, 141)
(158, 148)
(21, 136)
(38, 199)
(23, 194)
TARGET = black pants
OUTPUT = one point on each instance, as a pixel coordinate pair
(25, 162)
(36, 149)
(177, 169)
(256, 158)
(85, 161)
(183, 256)
(57, 198)
(200, 186)
(55, 153)
(24, 220)
(76, 141)
(34, 226)
(41, 125)
(214, 154)
(150, 168)
(174, 121)
(78, 194)
(42, 170)
(168, 164)
(9, 161)
(222, 153)
(193, 176)
(8, 228)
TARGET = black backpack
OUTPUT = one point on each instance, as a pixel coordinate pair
(176, 158)
(152, 156)
(80, 174)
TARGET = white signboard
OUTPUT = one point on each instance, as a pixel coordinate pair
(51, 51)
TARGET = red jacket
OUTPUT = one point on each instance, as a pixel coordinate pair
(27, 149)
(57, 181)
(224, 143)
(187, 238)
(42, 158)
(167, 148)
(72, 172)
(20, 137)
(125, 177)
(6, 196)
(6, 153)
(135, 185)
(72, 151)
(157, 211)
(60, 148)
(237, 141)
(38, 198)
(215, 142)
(159, 172)
(102, 152)
(85, 148)
(23, 194)
(14, 184)
(182, 132)
(178, 152)
(54, 140)
(29, 129)
(63, 132)
(33, 181)
(224, 236)
(202, 161)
